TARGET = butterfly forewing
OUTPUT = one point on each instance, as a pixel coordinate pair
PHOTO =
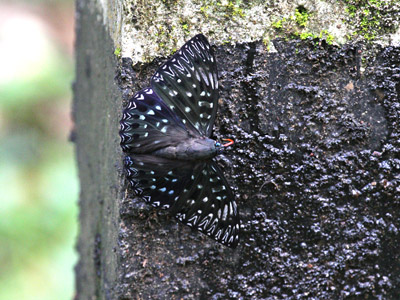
(149, 124)
(188, 83)
(208, 205)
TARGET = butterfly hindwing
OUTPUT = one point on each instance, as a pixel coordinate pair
(188, 83)
(149, 124)
(208, 205)
(159, 181)
(197, 194)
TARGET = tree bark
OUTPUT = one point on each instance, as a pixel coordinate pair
(315, 169)
(96, 110)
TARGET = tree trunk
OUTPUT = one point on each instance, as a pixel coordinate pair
(315, 168)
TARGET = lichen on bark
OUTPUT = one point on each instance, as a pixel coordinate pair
(144, 30)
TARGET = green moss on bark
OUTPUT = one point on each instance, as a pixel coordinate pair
(372, 18)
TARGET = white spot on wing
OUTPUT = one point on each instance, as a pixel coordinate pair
(225, 214)
(210, 75)
(204, 77)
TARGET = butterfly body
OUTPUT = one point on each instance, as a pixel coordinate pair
(165, 133)
(191, 149)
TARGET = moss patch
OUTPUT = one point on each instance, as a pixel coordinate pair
(117, 52)
(295, 27)
(372, 18)
(229, 9)
(301, 16)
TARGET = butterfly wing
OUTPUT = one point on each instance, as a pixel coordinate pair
(196, 192)
(159, 181)
(208, 205)
(148, 124)
(188, 84)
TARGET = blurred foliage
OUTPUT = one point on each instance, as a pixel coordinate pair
(38, 177)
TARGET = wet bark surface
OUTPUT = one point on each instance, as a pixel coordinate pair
(315, 169)
(316, 166)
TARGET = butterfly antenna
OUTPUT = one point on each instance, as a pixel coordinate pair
(230, 142)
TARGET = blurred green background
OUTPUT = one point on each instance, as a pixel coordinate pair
(38, 176)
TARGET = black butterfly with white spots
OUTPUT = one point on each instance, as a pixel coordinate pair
(165, 133)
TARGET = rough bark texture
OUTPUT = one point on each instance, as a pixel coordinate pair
(315, 169)
(96, 110)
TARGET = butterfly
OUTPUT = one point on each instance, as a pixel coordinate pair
(165, 132)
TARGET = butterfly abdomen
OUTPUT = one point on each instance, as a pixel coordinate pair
(191, 149)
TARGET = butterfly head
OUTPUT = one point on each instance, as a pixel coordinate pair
(219, 147)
